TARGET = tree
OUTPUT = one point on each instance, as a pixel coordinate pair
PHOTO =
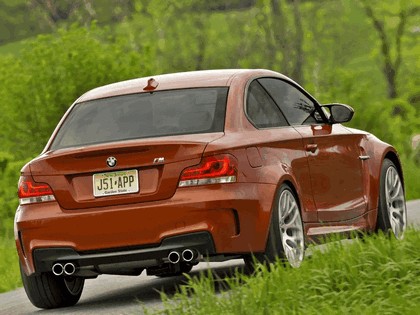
(284, 42)
(391, 65)
(51, 72)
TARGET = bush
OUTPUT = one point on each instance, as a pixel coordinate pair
(8, 195)
(50, 73)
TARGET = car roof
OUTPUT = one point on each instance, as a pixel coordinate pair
(192, 79)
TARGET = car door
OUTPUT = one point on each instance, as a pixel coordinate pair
(333, 154)
(279, 145)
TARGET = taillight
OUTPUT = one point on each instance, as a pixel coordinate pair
(30, 191)
(212, 170)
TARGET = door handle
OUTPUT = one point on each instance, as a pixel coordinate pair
(364, 157)
(311, 147)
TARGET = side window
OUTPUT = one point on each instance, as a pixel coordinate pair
(261, 109)
(296, 106)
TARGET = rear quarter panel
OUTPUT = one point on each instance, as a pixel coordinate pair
(377, 150)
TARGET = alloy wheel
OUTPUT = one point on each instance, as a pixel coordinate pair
(291, 229)
(395, 202)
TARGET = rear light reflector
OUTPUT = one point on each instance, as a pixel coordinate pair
(217, 169)
(30, 191)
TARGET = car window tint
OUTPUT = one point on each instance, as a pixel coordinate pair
(296, 106)
(261, 109)
(143, 115)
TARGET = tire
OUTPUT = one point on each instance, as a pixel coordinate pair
(286, 239)
(49, 291)
(392, 211)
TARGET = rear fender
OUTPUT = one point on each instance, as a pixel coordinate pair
(378, 151)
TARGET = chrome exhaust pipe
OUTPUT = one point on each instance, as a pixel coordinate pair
(69, 269)
(57, 269)
(174, 257)
(188, 255)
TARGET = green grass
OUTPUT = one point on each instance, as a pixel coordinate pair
(374, 276)
(9, 266)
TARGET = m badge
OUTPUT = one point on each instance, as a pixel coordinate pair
(159, 160)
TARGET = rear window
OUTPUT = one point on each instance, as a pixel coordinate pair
(144, 115)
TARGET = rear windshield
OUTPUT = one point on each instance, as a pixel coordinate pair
(144, 115)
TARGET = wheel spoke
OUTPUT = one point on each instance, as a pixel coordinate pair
(396, 189)
(396, 179)
(395, 186)
(283, 205)
(287, 210)
(396, 225)
(294, 251)
(389, 182)
(290, 218)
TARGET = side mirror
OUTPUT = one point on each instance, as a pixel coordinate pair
(340, 113)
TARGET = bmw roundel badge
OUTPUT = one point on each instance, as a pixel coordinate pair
(111, 161)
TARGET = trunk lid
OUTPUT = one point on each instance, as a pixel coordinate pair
(156, 162)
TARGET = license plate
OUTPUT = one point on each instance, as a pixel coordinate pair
(115, 183)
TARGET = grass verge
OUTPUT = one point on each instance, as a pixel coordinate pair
(9, 266)
(376, 275)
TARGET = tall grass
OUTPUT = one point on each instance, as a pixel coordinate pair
(375, 275)
(9, 266)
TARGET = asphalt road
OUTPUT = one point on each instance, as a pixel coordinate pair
(129, 295)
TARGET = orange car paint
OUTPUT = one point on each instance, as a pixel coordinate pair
(337, 191)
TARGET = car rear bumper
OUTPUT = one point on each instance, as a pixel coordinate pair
(91, 263)
(236, 215)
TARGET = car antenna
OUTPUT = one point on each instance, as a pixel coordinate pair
(151, 85)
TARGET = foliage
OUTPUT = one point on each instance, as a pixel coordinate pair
(9, 170)
(20, 19)
(50, 74)
(9, 266)
(390, 45)
(376, 275)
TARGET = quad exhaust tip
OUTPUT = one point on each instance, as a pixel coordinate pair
(174, 257)
(69, 269)
(59, 269)
(188, 255)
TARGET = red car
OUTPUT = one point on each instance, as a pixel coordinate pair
(160, 173)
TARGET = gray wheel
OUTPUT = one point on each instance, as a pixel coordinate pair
(290, 228)
(392, 211)
(286, 239)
